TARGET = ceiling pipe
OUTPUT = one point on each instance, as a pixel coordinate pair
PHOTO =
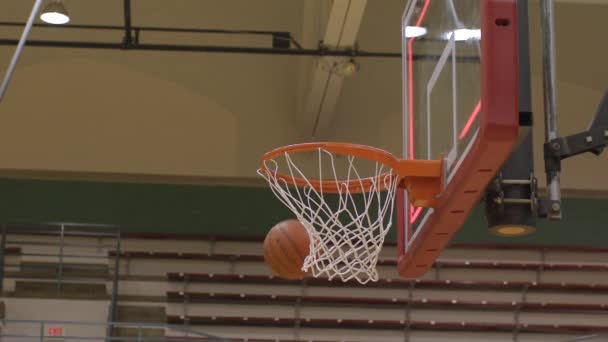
(20, 44)
(229, 49)
(135, 45)
(148, 28)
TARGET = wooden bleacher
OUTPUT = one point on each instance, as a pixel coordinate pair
(500, 296)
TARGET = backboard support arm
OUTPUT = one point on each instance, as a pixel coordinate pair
(550, 104)
(593, 140)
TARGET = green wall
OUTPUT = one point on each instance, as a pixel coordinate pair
(231, 210)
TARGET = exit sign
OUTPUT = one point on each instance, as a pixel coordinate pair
(54, 331)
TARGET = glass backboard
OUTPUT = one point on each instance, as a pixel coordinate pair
(448, 76)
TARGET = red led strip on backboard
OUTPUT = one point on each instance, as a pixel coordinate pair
(469, 124)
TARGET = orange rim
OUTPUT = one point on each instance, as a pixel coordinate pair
(353, 186)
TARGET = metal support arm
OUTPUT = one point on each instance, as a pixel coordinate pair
(554, 196)
(20, 45)
(593, 140)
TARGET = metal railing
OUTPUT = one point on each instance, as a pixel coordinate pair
(57, 236)
(36, 330)
(61, 232)
(590, 338)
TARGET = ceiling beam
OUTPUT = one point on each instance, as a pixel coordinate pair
(588, 2)
(128, 39)
(325, 86)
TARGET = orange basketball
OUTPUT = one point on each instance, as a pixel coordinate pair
(285, 248)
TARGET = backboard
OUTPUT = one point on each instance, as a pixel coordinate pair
(460, 103)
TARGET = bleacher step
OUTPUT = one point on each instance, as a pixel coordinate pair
(67, 290)
(69, 270)
(143, 333)
(141, 314)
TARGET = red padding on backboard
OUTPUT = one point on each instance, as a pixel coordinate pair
(498, 131)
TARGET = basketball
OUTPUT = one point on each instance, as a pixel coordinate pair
(285, 247)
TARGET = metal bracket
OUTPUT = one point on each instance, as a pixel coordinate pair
(408, 312)
(593, 140)
(281, 40)
(497, 188)
(127, 40)
(2, 257)
(437, 271)
(517, 313)
(546, 206)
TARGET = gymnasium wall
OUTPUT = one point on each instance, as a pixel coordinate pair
(194, 114)
(237, 211)
(137, 112)
(35, 309)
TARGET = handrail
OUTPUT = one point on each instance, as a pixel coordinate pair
(55, 225)
(49, 231)
(18, 228)
(390, 283)
(84, 256)
(72, 279)
(65, 264)
(42, 323)
(440, 263)
(41, 243)
(111, 338)
(116, 274)
(587, 338)
(395, 325)
(87, 267)
(376, 302)
(2, 254)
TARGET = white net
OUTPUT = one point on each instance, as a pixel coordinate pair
(347, 227)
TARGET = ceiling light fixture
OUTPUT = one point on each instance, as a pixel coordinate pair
(513, 230)
(55, 13)
(511, 207)
(343, 68)
(414, 31)
(347, 68)
(464, 34)
(511, 202)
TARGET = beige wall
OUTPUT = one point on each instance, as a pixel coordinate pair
(150, 113)
(215, 114)
(55, 310)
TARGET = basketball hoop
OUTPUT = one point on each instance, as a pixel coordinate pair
(344, 195)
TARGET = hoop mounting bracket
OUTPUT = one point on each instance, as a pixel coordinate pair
(423, 179)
